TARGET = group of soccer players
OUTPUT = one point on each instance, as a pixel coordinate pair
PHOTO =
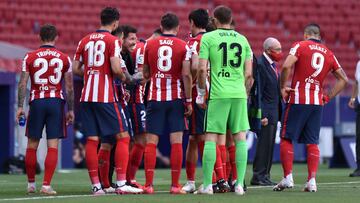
(204, 83)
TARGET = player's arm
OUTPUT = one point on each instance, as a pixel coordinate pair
(69, 88)
(288, 64)
(351, 103)
(194, 65)
(24, 77)
(76, 68)
(341, 81)
(146, 67)
(187, 80)
(249, 80)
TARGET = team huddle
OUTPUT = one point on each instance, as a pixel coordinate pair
(134, 92)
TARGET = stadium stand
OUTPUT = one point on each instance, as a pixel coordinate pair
(20, 21)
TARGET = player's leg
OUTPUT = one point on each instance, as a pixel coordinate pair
(238, 125)
(34, 128)
(230, 144)
(215, 124)
(104, 164)
(137, 151)
(176, 124)
(310, 137)
(293, 121)
(221, 185)
(50, 166)
(155, 119)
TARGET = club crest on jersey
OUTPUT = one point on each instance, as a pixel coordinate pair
(224, 74)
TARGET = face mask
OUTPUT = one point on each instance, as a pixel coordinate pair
(276, 56)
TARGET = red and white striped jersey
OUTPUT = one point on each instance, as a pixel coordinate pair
(120, 87)
(46, 67)
(95, 51)
(165, 55)
(137, 96)
(314, 62)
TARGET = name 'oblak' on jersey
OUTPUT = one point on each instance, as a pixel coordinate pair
(165, 55)
(95, 51)
(314, 62)
(46, 67)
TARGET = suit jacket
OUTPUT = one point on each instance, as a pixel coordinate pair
(255, 101)
(271, 102)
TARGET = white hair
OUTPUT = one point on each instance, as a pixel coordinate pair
(270, 42)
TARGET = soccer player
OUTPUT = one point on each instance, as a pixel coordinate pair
(46, 67)
(137, 113)
(230, 56)
(305, 99)
(99, 52)
(167, 65)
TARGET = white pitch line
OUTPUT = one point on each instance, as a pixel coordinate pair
(75, 196)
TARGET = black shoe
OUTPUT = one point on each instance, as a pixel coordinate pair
(356, 173)
(215, 188)
(270, 182)
(232, 186)
(223, 186)
(245, 187)
(259, 181)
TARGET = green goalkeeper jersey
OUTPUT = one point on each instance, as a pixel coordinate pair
(226, 51)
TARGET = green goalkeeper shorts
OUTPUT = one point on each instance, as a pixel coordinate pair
(223, 114)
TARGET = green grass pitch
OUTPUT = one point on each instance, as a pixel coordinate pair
(334, 185)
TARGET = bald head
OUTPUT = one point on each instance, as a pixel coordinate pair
(271, 43)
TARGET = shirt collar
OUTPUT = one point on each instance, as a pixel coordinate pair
(168, 35)
(268, 58)
(102, 31)
(315, 40)
(47, 46)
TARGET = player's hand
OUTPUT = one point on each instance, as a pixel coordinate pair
(264, 122)
(189, 109)
(325, 99)
(285, 92)
(127, 96)
(70, 117)
(351, 103)
(20, 113)
(200, 101)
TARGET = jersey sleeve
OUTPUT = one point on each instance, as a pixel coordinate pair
(79, 52)
(295, 50)
(188, 53)
(336, 64)
(204, 48)
(146, 55)
(140, 57)
(25, 65)
(115, 48)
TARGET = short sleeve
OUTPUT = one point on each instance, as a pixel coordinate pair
(295, 51)
(140, 57)
(146, 55)
(25, 66)
(69, 67)
(115, 48)
(204, 47)
(357, 72)
(336, 64)
(78, 53)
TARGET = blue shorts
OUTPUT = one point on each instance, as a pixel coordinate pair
(47, 112)
(196, 120)
(128, 120)
(102, 119)
(137, 115)
(161, 115)
(302, 123)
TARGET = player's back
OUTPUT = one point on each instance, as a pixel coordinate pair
(46, 67)
(95, 51)
(314, 62)
(165, 55)
(226, 51)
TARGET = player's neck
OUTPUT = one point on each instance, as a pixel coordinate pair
(109, 29)
(197, 31)
(48, 44)
(224, 26)
(169, 32)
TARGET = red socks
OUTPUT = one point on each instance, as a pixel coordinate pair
(218, 165)
(223, 159)
(313, 156)
(30, 164)
(176, 158)
(92, 160)
(232, 150)
(136, 156)
(121, 158)
(104, 166)
(286, 156)
(201, 145)
(50, 165)
(149, 163)
(190, 170)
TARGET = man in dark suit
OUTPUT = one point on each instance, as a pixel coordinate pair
(271, 111)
